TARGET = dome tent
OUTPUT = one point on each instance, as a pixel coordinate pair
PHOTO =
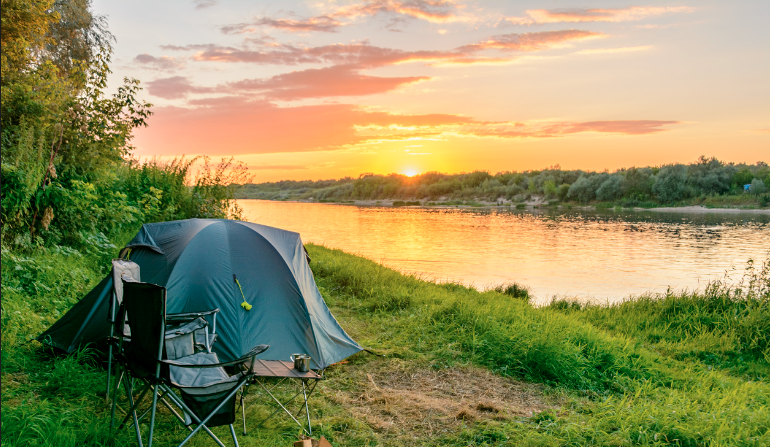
(197, 261)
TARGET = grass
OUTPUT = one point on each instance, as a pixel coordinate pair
(459, 366)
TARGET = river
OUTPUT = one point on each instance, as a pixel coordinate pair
(590, 255)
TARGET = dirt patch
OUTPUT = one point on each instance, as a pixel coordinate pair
(399, 399)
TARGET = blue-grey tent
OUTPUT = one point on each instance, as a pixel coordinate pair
(195, 260)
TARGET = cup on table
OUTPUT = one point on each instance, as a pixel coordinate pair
(301, 362)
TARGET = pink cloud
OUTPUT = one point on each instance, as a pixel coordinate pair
(360, 54)
(176, 87)
(158, 63)
(595, 15)
(222, 126)
(339, 80)
(261, 127)
(627, 127)
(530, 41)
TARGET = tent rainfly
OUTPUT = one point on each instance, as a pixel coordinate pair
(198, 260)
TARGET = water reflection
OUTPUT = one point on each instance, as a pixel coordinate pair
(602, 255)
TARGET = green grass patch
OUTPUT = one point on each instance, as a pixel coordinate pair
(681, 368)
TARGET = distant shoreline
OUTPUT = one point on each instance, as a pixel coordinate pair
(692, 209)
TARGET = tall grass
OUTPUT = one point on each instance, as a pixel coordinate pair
(726, 325)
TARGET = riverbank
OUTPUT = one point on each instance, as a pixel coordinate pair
(455, 367)
(536, 203)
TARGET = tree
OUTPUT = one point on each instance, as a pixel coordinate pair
(670, 183)
(582, 190)
(611, 189)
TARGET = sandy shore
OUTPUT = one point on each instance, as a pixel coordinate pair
(696, 209)
(704, 210)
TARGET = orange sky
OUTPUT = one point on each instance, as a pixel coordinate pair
(311, 90)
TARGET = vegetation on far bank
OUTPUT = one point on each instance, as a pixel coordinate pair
(707, 181)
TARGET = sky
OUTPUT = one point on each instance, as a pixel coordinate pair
(327, 89)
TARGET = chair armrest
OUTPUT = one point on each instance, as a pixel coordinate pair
(189, 315)
(248, 356)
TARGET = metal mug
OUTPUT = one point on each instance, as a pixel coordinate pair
(301, 362)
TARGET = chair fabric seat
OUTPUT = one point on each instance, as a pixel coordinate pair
(203, 388)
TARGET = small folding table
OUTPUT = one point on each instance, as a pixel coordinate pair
(267, 369)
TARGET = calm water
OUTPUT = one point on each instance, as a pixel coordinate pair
(588, 254)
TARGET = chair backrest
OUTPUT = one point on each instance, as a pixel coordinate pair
(145, 305)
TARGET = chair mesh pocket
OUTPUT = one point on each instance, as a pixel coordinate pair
(202, 405)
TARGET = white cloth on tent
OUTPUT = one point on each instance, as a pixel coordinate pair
(122, 269)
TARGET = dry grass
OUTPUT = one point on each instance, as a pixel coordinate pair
(402, 400)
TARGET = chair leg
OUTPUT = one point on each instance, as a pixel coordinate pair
(129, 392)
(109, 373)
(307, 412)
(232, 432)
(154, 408)
(115, 397)
(243, 412)
(133, 404)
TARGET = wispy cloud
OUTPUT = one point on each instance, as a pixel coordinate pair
(202, 4)
(344, 77)
(319, 24)
(530, 41)
(158, 63)
(276, 167)
(364, 55)
(631, 13)
(397, 12)
(436, 11)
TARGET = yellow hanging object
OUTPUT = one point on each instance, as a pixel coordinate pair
(244, 304)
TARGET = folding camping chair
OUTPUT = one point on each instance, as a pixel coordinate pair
(165, 361)
(125, 270)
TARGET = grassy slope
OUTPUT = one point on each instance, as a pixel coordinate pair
(624, 375)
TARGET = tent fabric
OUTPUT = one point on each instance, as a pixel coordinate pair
(195, 260)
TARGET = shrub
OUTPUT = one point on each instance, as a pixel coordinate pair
(757, 187)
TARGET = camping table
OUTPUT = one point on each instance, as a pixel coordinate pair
(284, 371)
